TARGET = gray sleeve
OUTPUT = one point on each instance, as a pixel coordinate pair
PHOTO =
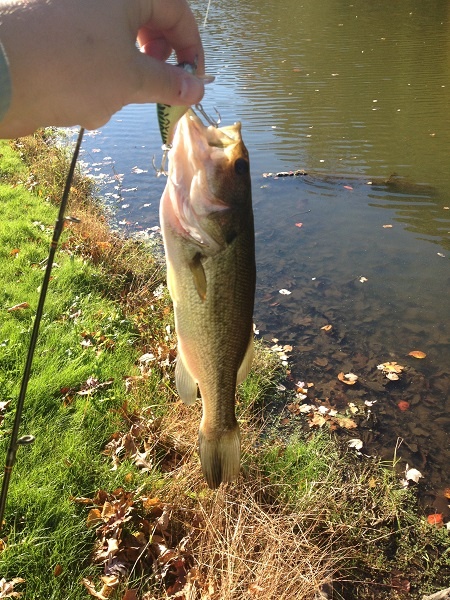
(5, 83)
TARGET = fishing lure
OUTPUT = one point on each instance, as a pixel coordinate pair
(168, 117)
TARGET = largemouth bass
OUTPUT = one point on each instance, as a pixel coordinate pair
(207, 224)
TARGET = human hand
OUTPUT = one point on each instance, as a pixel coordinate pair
(75, 62)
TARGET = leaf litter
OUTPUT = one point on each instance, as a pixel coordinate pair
(365, 392)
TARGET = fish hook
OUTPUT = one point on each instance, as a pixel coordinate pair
(162, 169)
(207, 118)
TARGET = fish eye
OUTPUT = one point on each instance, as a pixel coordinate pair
(241, 166)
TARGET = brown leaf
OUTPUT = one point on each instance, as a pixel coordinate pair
(7, 587)
(403, 405)
(317, 420)
(20, 306)
(94, 518)
(345, 422)
(57, 570)
(149, 503)
(81, 500)
(321, 361)
(417, 354)
(400, 584)
(90, 586)
(348, 378)
(435, 519)
(130, 595)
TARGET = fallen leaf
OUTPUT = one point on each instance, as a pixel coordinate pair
(81, 500)
(412, 474)
(345, 422)
(436, 519)
(403, 405)
(392, 376)
(317, 420)
(14, 252)
(390, 367)
(349, 378)
(321, 361)
(417, 354)
(130, 595)
(94, 518)
(20, 306)
(401, 584)
(57, 570)
(7, 587)
(104, 594)
(149, 503)
(355, 443)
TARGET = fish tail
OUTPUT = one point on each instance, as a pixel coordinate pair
(220, 456)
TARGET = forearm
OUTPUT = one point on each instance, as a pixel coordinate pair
(30, 36)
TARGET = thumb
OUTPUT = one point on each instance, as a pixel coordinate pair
(164, 83)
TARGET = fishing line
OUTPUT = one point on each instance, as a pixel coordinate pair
(207, 12)
(15, 441)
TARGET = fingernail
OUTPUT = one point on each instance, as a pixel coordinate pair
(192, 90)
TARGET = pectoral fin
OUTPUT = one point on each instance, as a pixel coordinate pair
(186, 385)
(246, 363)
(199, 276)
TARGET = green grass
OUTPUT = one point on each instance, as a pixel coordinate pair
(306, 509)
(43, 527)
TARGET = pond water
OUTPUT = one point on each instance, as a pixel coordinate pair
(358, 96)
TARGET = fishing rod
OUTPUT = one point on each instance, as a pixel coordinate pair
(15, 440)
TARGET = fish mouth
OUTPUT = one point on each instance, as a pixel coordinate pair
(199, 154)
(216, 137)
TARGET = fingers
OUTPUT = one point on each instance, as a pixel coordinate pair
(166, 84)
(171, 24)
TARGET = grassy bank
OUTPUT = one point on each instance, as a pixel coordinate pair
(109, 502)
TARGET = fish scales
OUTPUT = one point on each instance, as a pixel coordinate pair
(207, 225)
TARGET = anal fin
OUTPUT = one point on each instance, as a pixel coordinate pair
(246, 363)
(186, 385)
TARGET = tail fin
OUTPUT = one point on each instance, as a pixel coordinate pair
(220, 456)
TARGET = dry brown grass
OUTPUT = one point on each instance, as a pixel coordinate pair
(247, 548)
